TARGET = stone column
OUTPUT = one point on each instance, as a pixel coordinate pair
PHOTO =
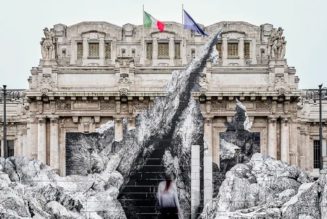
(254, 51)
(54, 144)
(183, 52)
(284, 140)
(225, 51)
(154, 51)
(171, 51)
(143, 53)
(301, 143)
(27, 147)
(207, 161)
(118, 129)
(41, 146)
(241, 50)
(73, 52)
(113, 51)
(309, 151)
(85, 48)
(195, 180)
(272, 137)
(101, 50)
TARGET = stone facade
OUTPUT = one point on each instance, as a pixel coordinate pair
(93, 72)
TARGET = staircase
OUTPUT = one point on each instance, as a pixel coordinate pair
(138, 197)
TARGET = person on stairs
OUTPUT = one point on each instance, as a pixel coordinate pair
(168, 198)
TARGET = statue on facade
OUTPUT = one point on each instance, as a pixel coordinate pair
(48, 44)
(277, 44)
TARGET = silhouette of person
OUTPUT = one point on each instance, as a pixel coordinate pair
(168, 198)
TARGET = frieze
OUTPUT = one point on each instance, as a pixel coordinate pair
(263, 106)
(86, 105)
(139, 106)
(63, 105)
(111, 106)
(216, 106)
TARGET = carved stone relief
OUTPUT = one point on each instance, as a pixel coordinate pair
(111, 106)
(217, 106)
(63, 105)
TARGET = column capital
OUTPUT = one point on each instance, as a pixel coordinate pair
(54, 119)
(41, 119)
(272, 119)
(285, 120)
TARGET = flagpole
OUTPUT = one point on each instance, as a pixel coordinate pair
(183, 15)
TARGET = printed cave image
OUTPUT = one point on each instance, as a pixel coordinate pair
(163, 110)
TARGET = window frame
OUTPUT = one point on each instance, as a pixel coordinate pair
(90, 56)
(163, 56)
(232, 50)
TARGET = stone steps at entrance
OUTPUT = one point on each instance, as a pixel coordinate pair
(138, 197)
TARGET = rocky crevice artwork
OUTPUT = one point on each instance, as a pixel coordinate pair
(105, 176)
(32, 190)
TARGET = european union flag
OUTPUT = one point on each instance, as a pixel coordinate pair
(190, 24)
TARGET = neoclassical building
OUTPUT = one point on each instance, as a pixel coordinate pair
(93, 72)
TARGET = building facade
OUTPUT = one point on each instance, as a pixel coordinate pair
(93, 72)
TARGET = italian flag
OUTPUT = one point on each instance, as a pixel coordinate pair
(149, 21)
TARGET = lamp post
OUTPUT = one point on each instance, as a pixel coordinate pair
(5, 148)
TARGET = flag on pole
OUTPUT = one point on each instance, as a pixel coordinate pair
(149, 21)
(190, 24)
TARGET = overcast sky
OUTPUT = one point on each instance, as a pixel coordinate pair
(22, 21)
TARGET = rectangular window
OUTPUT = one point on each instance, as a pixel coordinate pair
(93, 50)
(149, 50)
(79, 50)
(11, 149)
(163, 50)
(108, 50)
(316, 154)
(246, 50)
(177, 50)
(219, 49)
(232, 50)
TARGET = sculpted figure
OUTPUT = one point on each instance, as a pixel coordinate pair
(276, 44)
(48, 44)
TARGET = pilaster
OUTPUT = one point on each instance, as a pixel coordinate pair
(225, 52)
(41, 146)
(54, 143)
(272, 137)
(207, 161)
(171, 51)
(285, 140)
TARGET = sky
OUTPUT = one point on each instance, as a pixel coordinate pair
(21, 23)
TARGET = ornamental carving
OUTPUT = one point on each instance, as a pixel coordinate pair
(139, 106)
(123, 91)
(63, 105)
(216, 106)
(48, 44)
(263, 106)
(277, 44)
(281, 85)
(46, 84)
(107, 105)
